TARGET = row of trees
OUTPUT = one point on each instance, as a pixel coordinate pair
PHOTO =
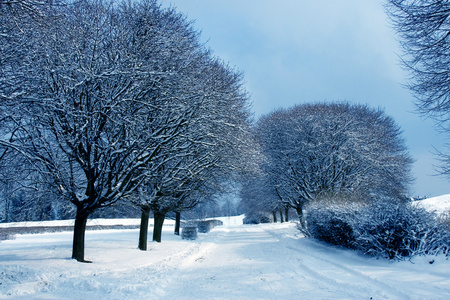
(102, 103)
(108, 102)
(323, 151)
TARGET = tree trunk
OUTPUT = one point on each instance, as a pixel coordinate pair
(301, 217)
(274, 216)
(157, 227)
(79, 232)
(281, 216)
(177, 222)
(286, 213)
(143, 229)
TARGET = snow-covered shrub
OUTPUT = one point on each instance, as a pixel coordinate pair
(331, 222)
(4, 235)
(256, 219)
(206, 226)
(189, 233)
(217, 222)
(383, 229)
(399, 231)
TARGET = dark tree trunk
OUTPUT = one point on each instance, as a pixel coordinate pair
(143, 229)
(177, 222)
(79, 232)
(157, 227)
(286, 213)
(281, 216)
(274, 216)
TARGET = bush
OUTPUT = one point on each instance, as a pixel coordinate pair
(189, 233)
(6, 235)
(330, 224)
(400, 231)
(205, 226)
(382, 229)
(217, 222)
(256, 219)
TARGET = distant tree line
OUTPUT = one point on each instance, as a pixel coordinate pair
(114, 102)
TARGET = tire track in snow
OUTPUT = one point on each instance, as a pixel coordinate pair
(218, 270)
(266, 263)
(241, 262)
(310, 259)
(303, 268)
(254, 262)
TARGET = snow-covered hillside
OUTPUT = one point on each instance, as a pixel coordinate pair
(439, 204)
(231, 262)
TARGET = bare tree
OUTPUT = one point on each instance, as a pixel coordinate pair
(205, 91)
(332, 150)
(424, 30)
(32, 8)
(209, 147)
(258, 198)
(91, 123)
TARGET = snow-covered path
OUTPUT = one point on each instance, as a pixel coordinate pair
(268, 262)
(231, 262)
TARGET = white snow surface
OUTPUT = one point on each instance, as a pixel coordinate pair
(440, 205)
(234, 261)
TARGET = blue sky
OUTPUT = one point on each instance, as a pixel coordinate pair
(297, 51)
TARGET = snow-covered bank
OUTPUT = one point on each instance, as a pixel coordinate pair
(90, 222)
(236, 220)
(234, 261)
(439, 204)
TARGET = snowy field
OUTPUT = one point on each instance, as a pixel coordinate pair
(234, 261)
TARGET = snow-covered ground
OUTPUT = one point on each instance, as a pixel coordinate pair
(439, 204)
(234, 261)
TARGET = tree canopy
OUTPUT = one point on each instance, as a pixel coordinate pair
(107, 98)
(332, 150)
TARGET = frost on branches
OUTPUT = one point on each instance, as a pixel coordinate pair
(338, 150)
(116, 100)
